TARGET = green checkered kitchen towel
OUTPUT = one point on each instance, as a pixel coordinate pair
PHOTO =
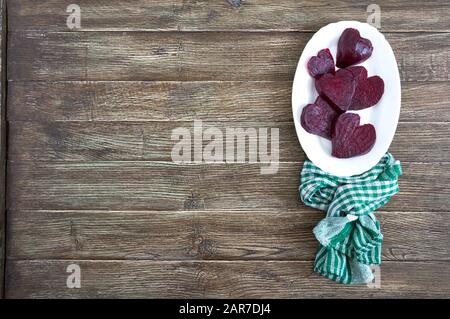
(349, 236)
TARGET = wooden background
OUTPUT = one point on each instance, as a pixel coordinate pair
(90, 178)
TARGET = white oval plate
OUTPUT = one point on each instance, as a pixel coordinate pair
(384, 116)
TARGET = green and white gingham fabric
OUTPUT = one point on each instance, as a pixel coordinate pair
(349, 236)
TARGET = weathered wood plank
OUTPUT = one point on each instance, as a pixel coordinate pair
(196, 56)
(215, 279)
(200, 235)
(84, 141)
(398, 15)
(186, 101)
(151, 101)
(169, 186)
(162, 235)
(92, 141)
(3, 82)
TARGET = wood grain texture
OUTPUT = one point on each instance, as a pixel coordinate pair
(89, 171)
(232, 15)
(85, 141)
(133, 141)
(169, 186)
(196, 56)
(214, 279)
(186, 101)
(208, 235)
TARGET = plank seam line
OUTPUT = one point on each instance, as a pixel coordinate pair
(212, 261)
(165, 211)
(178, 81)
(186, 31)
(81, 81)
(232, 211)
(4, 76)
(142, 122)
(170, 163)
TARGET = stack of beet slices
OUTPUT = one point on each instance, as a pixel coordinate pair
(348, 88)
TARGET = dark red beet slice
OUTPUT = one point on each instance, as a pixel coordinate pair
(359, 72)
(338, 88)
(352, 48)
(318, 118)
(368, 92)
(321, 64)
(350, 139)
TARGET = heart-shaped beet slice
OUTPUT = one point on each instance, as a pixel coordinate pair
(368, 92)
(352, 48)
(338, 88)
(350, 139)
(321, 64)
(318, 118)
